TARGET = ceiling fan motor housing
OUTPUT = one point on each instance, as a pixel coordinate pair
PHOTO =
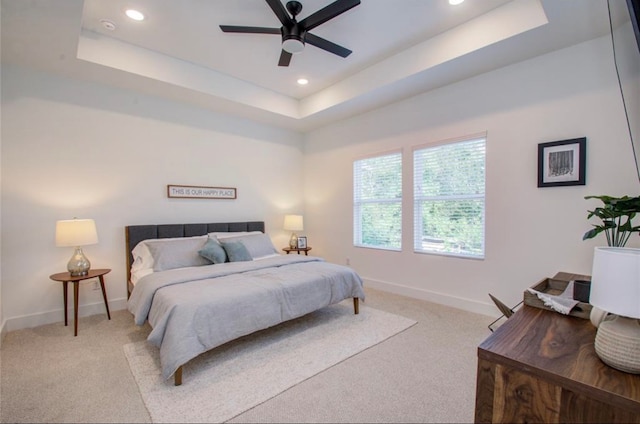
(293, 39)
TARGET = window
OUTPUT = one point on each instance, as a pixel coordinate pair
(377, 201)
(448, 184)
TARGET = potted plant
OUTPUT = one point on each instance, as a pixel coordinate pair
(616, 216)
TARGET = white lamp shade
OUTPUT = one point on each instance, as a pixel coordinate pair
(615, 281)
(76, 232)
(293, 222)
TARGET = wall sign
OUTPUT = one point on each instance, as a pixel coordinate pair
(201, 192)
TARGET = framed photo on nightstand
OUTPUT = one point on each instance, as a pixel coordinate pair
(302, 242)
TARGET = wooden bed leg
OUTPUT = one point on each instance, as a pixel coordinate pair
(356, 305)
(177, 376)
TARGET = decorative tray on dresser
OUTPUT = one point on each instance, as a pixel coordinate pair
(555, 286)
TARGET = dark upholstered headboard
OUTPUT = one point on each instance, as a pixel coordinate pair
(134, 234)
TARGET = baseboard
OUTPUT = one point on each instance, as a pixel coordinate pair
(469, 305)
(35, 320)
(3, 332)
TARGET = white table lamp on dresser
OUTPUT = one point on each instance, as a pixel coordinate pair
(615, 296)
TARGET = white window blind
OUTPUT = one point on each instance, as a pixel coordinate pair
(377, 201)
(449, 202)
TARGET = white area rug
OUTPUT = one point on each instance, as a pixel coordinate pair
(233, 378)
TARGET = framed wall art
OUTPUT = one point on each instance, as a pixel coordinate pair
(201, 192)
(562, 163)
(302, 242)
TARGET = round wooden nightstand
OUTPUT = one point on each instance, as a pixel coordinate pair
(295, 249)
(66, 278)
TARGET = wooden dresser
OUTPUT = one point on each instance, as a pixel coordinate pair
(541, 366)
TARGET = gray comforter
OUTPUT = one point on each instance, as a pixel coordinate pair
(192, 310)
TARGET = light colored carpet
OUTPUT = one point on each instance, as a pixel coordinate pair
(236, 377)
(425, 374)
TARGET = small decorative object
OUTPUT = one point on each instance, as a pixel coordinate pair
(201, 192)
(562, 163)
(563, 302)
(615, 288)
(302, 242)
(616, 215)
(293, 223)
(76, 233)
(552, 293)
(581, 290)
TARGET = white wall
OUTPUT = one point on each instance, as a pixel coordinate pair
(2, 321)
(71, 148)
(531, 233)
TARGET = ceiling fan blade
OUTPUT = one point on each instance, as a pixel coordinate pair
(250, 30)
(326, 13)
(327, 45)
(285, 58)
(281, 12)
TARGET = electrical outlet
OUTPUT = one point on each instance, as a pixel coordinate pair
(348, 261)
(96, 286)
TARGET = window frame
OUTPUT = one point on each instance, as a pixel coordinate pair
(357, 204)
(419, 199)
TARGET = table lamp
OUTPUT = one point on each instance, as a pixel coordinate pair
(76, 233)
(615, 288)
(293, 223)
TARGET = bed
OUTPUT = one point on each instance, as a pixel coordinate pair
(202, 285)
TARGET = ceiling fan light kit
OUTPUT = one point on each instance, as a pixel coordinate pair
(292, 38)
(295, 35)
(293, 45)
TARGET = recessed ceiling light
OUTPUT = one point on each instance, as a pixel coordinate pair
(303, 81)
(107, 24)
(455, 2)
(134, 14)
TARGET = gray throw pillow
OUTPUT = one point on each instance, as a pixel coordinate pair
(236, 252)
(213, 251)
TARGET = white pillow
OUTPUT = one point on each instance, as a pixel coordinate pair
(258, 244)
(136, 275)
(142, 258)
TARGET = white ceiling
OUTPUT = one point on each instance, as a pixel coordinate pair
(400, 48)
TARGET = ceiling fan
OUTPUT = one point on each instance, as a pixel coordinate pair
(296, 34)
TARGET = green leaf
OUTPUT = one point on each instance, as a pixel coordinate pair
(616, 217)
(592, 233)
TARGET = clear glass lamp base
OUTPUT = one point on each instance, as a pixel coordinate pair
(78, 265)
(293, 241)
